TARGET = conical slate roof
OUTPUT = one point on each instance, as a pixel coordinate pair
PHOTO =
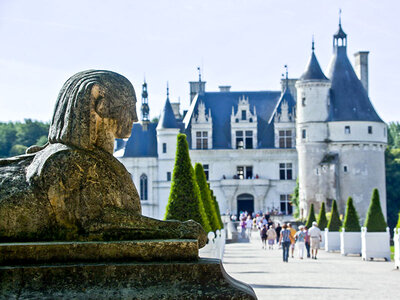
(285, 97)
(313, 70)
(167, 118)
(349, 100)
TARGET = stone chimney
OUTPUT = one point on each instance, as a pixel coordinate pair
(361, 67)
(196, 87)
(291, 84)
(224, 88)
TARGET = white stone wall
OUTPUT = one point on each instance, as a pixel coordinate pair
(358, 132)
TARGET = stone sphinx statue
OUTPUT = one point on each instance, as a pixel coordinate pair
(73, 189)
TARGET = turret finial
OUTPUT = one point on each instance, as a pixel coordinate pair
(340, 17)
(312, 44)
(198, 69)
(287, 76)
(167, 90)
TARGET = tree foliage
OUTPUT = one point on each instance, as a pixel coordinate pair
(311, 217)
(295, 200)
(351, 221)
(322, 220)
(334, 223)
(375, 221)
(184, 201)
(398, 222)
(208, 203)
(15, 137)
(216, 205)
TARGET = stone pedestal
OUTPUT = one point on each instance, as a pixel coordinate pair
(92, 276)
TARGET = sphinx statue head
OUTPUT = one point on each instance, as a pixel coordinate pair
(73, 188)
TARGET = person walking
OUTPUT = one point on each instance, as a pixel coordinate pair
(271, 236)
(249, 225)
(285, 241)
(315, 238)
(278, 232)
(307, 241)
(300, 241)
(263, 234)
(292, 235)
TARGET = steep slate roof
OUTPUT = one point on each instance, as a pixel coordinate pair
(221, 104)
(167, 118)
(348, 99)
(313, 70)
(286, 96)
(142, 143)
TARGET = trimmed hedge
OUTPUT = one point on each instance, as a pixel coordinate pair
(334, 221)
(398, 222)
(311, 216)
(184, 201)
(322, 220)
(375, 221)
(208, 203)
(351, 221)
(216, 205)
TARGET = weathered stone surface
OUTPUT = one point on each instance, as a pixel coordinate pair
(205, 279)
(73, 189)
(68, 252)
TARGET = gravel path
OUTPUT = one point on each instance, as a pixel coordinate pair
(331, 276)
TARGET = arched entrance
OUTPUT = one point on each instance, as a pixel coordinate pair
(245, 202)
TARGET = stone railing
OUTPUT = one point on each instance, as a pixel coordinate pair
(396, 240)
(215, 246)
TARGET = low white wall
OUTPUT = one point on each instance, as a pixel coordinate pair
(375, 244)
(396, 240)
(350, 242)
(332, 240)
(215, 246)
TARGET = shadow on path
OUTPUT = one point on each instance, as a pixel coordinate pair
(267, 286)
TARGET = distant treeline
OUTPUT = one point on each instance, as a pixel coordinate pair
(15, 137)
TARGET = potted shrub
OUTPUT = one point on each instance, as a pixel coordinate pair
(332, 234)
(396, 240)
(350, 237)
(375, 237)
(322, 223)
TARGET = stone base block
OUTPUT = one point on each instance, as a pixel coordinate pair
(202, 279)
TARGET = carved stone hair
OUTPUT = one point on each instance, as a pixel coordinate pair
(72, 122)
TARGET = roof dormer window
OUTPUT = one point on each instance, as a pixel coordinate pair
(243, 115)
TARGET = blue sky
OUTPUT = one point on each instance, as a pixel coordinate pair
(244, 44)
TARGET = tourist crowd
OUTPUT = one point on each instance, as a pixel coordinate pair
(306, 240)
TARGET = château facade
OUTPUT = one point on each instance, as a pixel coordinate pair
(320, 128)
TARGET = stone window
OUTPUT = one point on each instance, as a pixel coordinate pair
(345, 169)
(201, 140)
(249, 139)
(168, 176)
(244, 172)
(243, 115)
(285, 204)
(206, 171)
(347, 129)
(143, 187)
(285, 139)
(303, 101)
(303, 133)
(244, 142)
(285, 171)
(369, 129)
(164, 148)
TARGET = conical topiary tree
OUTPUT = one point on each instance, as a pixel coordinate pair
(375, 221)
(184, 201)
(351, 221)
(322, 220)
(334, 223)
(398, 222)
(216, 205)
(311, 217)
(206, 197)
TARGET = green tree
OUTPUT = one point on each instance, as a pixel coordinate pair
(8, 135)
(30, 131)
(311, 217)
(184, 201)
(17, 150)
(334, 223)
(351, 221)
(322, 220)
(375, 221)
(206, 197)
(295, 200)
(398, 222)
(216, 205)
